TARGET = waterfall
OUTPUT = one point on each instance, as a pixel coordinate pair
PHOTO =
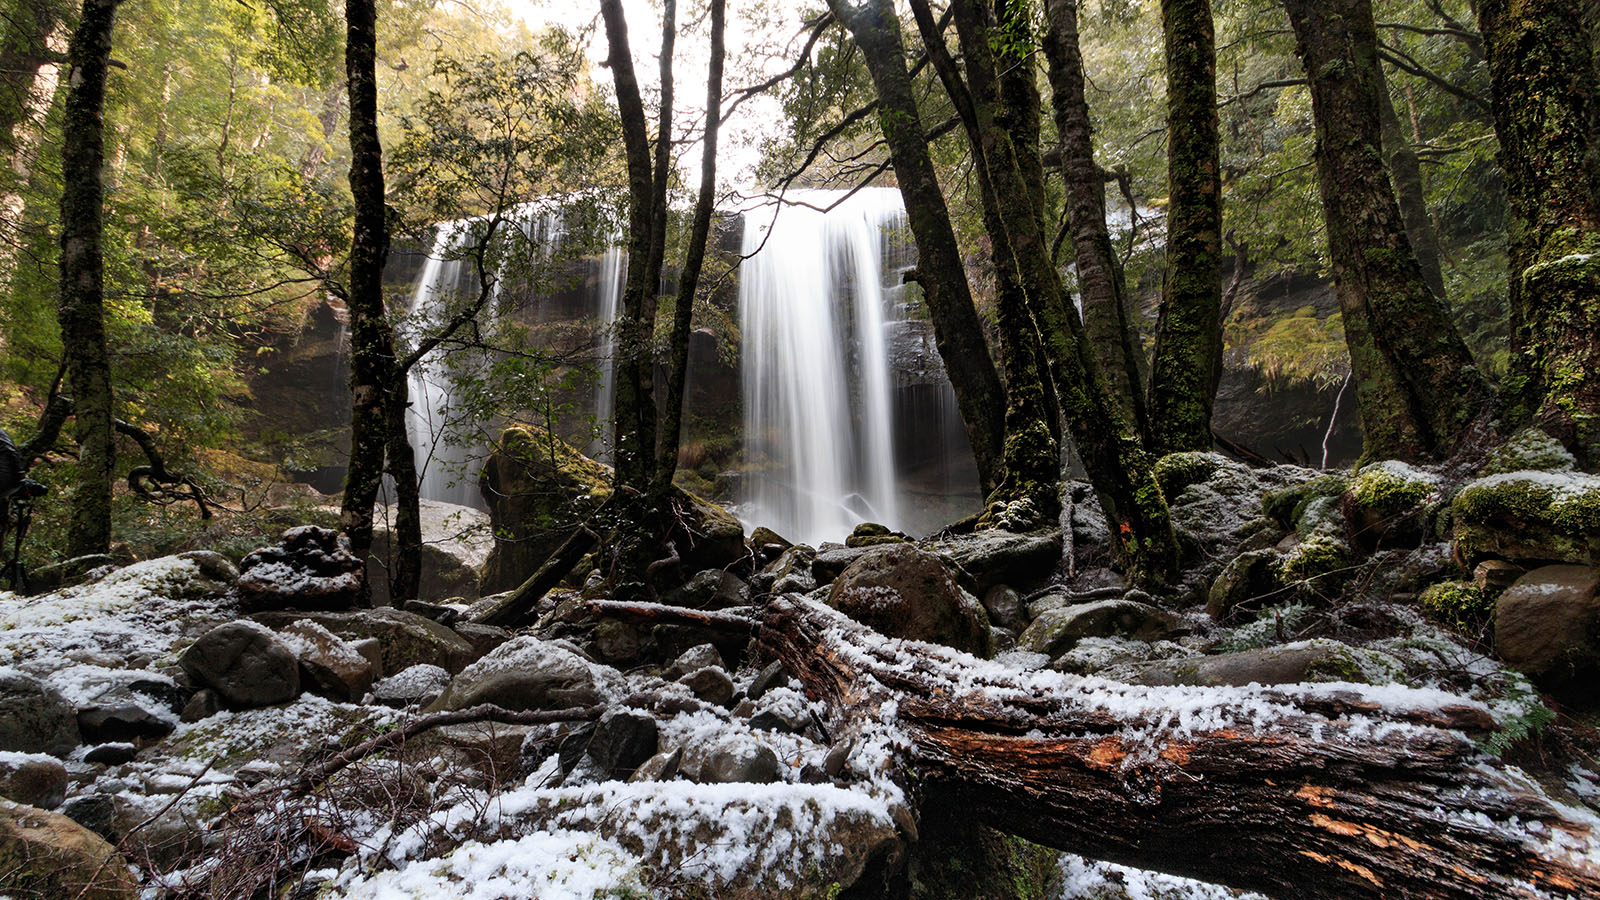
(818, 408)
(449, 446)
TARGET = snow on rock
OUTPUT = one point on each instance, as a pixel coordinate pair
(139, 614)
(544, 865)
(1084, 879)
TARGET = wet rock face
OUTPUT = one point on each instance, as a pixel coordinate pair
(34, 717)
(311, 568)
(245, 663)
(909, 593)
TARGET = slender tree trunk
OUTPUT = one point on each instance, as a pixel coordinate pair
(26, 28)
(635, 446)
(405, 567)
(957, 331)
(1418, 387)
(1544, 70)
(1117, 464)
(1109, 319)
(689, 278)
(372, 349)
(1189, 331)
(82, 301)
(1406, 172)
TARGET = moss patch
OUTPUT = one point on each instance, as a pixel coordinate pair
(1545, 516)
(1461, 605)
(1176, 471)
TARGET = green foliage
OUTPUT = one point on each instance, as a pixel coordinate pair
(1461, 605)
(1297, 349)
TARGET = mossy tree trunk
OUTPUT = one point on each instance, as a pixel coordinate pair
(81, 310)
(1418, 386)
(957, 330)
(26, 27)
(1544, 73)
(634, 407)
(1032, 450)
(1108, 316)
(1183, 377)
(1117, 464)
(377, 382)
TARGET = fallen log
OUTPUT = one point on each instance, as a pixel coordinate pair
(1308, 791)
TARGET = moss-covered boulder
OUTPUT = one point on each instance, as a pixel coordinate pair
(1385, 504)
(1529, 450)
(1321, 558)
(538, 489)
(871, 534)
(1533, 516)
(909, 593)
(1243, 582)
(1316, 660)
(1176, 471)
(1308, 507)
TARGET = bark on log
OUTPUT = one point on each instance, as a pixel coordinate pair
(1306, 792)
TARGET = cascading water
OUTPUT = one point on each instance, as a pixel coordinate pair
(818, 411)
(447, 444)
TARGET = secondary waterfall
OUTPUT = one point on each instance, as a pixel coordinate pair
(449, 445)
(815, 301)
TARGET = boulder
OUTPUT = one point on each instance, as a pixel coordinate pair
(1529, 517)
(766, 545)
(405, 639)
(771, 676)
(245, 663)
(528, 673)
(32, 779)
(909, 593)
(111, 754)
(420, 684)
(709, 589)
(832, 560)
(483, 638)
(456, 541)
(103, 724)
(871, 534)
(1245, 578)
(738, 759)
(1317, 660)
(43, 854)
(1384, 504)
(538, 489)
(692, 660)
(310, 568)
(711, 685)
(1005, 609)
(782, 709)
(617, 642)
(706, 535)
(622, 741)
(34, 717)
(992, 557)
(1548, 623)
(791, 573)
(1056, 631)
(203, 705)
(661, 767)
(329, 665)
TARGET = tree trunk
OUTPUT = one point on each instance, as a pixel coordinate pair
(25, 33)
(1032, 450)
(1301, 791)
(634, 445)
(1543, 68)
(82, 301)
(1406, 172)
(372, 350)
(957, 331)
(1117, 465)
(689, 277)
(1189, 330)
(1109, 319)
(1416, 381)
(405, 545)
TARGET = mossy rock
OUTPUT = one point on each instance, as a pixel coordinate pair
(1459, 604)
(1529, 516)
(45, 854)
(1385, 504)
(1529, 450)
(958, 859)
(1296, 507)
(1319, 558)
(1242, 581)
(871, 534)
(538, 488)
(1176, 471)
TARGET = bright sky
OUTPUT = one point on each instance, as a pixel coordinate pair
(760, 40)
